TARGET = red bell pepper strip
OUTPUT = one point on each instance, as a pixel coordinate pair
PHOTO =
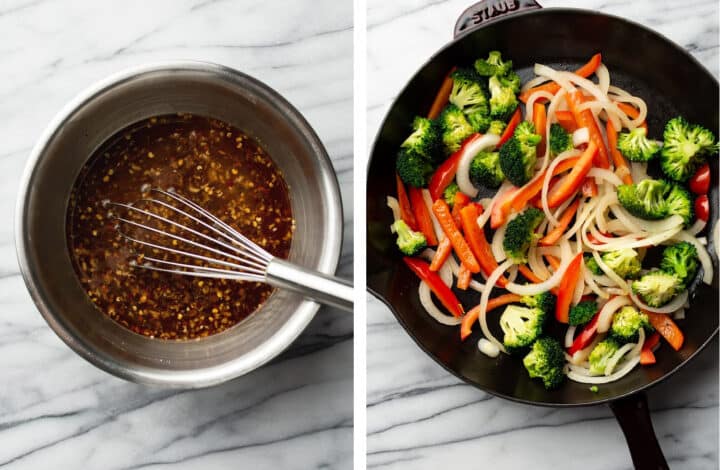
(585, 119)
(437, 286)
(422, 216)
(563, 223)
(471, 317)
(702, 208)
(665, 325)
(461, 200)
(442, 96)
(566, 120)
(510, 128)
(551, 87)
(445, 173)
(406, 212)
(540, 121)
(441, 254)
(501, 208)
(700, 181)
(647, 356)
(552, 261)
(585, 337)
(533, 187)
(566, 289)
(573, 180)
(479, 245)
(444, 217)
(617, 157)
(631, 112)
(529, 275)
(464, 277)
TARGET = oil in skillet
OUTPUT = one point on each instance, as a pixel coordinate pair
(215, 165)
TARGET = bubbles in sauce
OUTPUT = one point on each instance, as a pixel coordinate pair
(214, 165)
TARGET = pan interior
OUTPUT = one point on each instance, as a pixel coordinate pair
(665, 76)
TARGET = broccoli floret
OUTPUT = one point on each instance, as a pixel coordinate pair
(684, 148)
(479, 119)
(520, 234)
(510, 80)
(455, 128)
(410, 243)
(493, 65)
(636, 146)
(545, 301)
(582, 312)
(467, 90)
(545, 361)
(485, 170)
(560, 139)
(593, 266)
(679, 202)
(425, 138)
(521, 326)
(627, 323)
(519, 154)
(594, 388)
(449, 193)
(496, 127)
(656, 288)
(625, 262)
(645, 199)
(413, 168)
(681, 260)
(601, 354)
(503, 101)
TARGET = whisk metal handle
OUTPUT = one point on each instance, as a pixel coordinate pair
(325, 289)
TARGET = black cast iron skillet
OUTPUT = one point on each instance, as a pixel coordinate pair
(642, 62)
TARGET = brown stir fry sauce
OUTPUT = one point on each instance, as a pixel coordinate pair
(205, 160)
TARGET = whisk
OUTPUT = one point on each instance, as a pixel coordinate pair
(205, 246)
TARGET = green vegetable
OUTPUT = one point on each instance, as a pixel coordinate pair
(479, 119)
(521, 326)
(519, 154)
(582, 312)
(520, 234)
(545, 361)
(455, 128)
(680, 202)
(593, 266)
(656, 288)
(635, 145)
(503, 101)
(410, 243)
(493, 65)
(601, 354)
(449, 193)
(485, 170)
(627, 323)
(625, 262)
(646, 199)
(594, 388)
(413, 168)
(425, 139)
(680, 260)
(545, 301)
(510, 80)
(496, 127)
(560, 139)
(685, 148)
(467, 90)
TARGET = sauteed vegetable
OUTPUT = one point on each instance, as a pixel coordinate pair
(566, 235)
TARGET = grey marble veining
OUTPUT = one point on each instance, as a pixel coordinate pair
(421, 417)
(58, 411)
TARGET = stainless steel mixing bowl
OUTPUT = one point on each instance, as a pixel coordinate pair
(72, 137)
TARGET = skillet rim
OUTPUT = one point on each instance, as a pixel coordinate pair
(635, 391)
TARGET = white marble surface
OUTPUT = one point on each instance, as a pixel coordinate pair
(58, 411)
(419, 416)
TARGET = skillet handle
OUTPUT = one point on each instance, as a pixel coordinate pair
(486, 11)
(634, 417)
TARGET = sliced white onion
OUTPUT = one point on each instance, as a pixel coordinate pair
(534, 289)
(581, 356)
(579, 287)
(650, 226)
(606, 175)
(432, 310)
(603, 76)
(606, 313)
(603, 379)
(463, 171)
(393, 204)
(570, 335)
(584, 210)
(652, 240)
(529, 104)
(590, 281)
(697, 227)
(439, 233)
(703, 255)
(532, 83)
(548, 178)
(484, 297)
(679, 315)
(580, 136)
(487, 209)
(638, 171)
(668, 308)
(617, 355)
(620, 282)
(497, 244)
(552, 74)
(536, 264)
(488, 348)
